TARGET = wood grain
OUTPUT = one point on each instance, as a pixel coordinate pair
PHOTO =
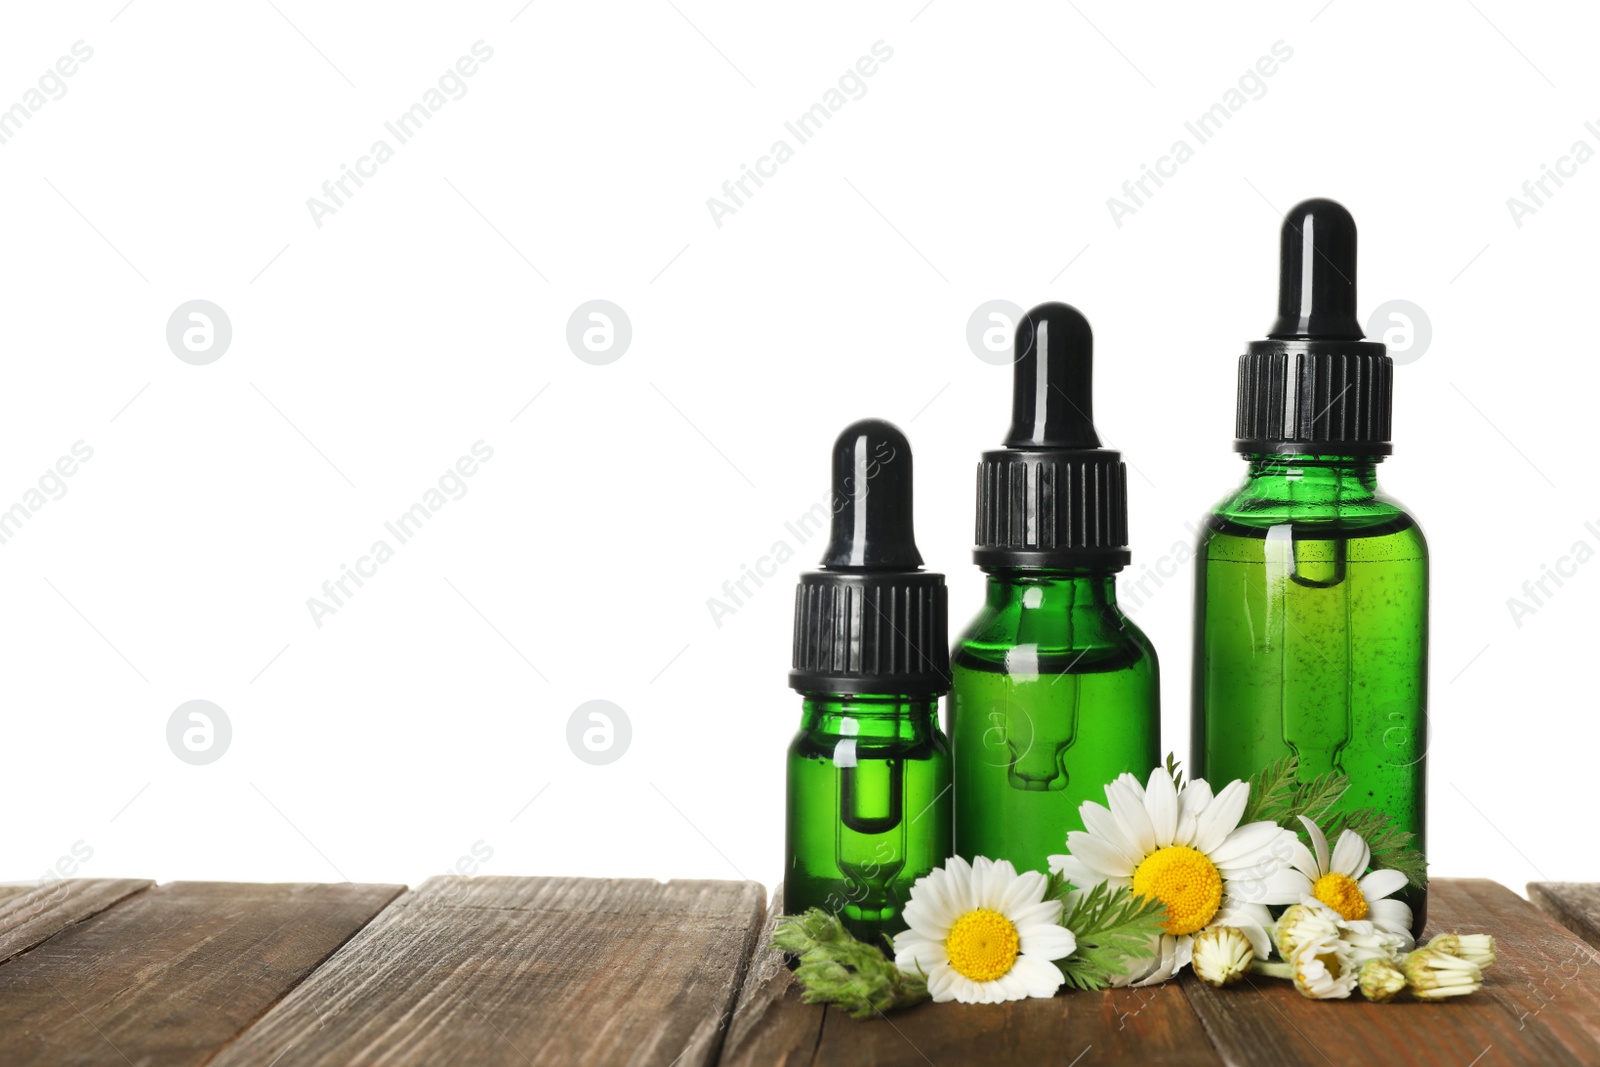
(1575, 905)
(171, 974)
(1157, 1027)
(29, 917)
(770, 1025)
(1545, 978)
(1154, 1027)
(524, 971)
(1269, 1023)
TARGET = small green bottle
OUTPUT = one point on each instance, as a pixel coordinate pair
(1311, 596)
(1054, 691)
(869, 770)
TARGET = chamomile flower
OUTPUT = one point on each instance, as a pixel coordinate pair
(1435, 975)
(1380, 980)
(1341, 882)
(983, 933)
(1222, 955)
(1310, 920)
(1187, 849)
(1325, 970)
(1477, 948)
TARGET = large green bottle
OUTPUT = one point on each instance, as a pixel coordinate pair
(1311, 605)
(869, 769)
(1054, 692)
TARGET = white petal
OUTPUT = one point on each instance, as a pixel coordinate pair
(1161, 804)
(1166, 963)
(991, 882)
(1301, 859)
(948, 895)
(1025, 889)
(965, 991)
(919, 954)
(1221, 816)
(924, 921)
(1047, 941)
(1127, 804)
(1284, 886)
(1098, 820)
(1194, 799)
(1350, 855)
(1392, 915)
(1249, 844)
(1380, 883)
(1252, 921)
(1044, 912)
(957, 888)
(1076, 871)
(1099, 856)
(1010, 986)
(942, 982)
(1038, 974)
(1319, 842)
(1184, 954)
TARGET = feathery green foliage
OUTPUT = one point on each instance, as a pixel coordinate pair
(1112, 925)
(1175, 770)
(835, 968)
(1277, 796)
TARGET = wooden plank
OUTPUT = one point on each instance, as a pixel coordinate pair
(173, 973)
(1268, 1023)
(770, 1025)
(1545, 976)
(29, 917)
(1575, 905)
(1156, 1027)
(524, 971)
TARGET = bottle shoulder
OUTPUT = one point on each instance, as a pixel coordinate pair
(1253, 507)
(994, 641)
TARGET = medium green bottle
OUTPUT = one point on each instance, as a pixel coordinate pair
(1054, 691)
(869, 770)
(1311, 605)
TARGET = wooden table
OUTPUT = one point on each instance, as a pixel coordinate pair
(515, 971)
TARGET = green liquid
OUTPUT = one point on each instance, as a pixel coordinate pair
(1054, 694)
(868, 811)
(1311, 640)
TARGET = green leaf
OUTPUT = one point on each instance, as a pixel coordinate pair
(1113, 927)
(1391, 846)
(835, 968)
(1056, 887)
(1277, 795)
(1175, 770)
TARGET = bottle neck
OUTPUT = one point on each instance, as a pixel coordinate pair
(899, 716)
(1051, 590)
(1311, 481)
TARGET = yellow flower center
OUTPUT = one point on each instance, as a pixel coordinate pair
(983, 945)
(1186, 881)
(1340, 892)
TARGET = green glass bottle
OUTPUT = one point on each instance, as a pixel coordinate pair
(869, 808)
(1311, 605)
(869, 770)
(1054, 692)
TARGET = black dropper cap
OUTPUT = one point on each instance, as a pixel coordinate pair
(1052, 499)
(1315, 386)
(871, 620)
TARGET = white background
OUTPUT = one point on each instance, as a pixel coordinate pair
(371, 352)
